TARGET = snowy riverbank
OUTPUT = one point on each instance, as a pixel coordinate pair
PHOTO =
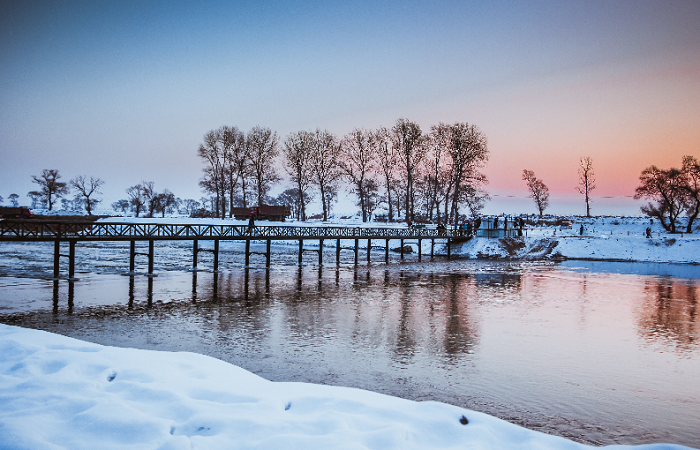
(603, 239)
(57, 392)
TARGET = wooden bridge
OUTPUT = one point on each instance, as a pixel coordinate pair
(76, 231)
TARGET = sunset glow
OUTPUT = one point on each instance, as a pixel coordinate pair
(126, 90)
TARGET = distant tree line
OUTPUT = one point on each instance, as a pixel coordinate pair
(142, 198)
(409, 173)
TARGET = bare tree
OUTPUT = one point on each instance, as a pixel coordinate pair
(324, 167)
(469, 153)
(438, 174)
(164, 202)
(121, 205)
(538, 191)
(137, 198)
(86, 189)
(13, 199)
(407, 137)
(387, 159)
(586, 181)
(356, 162)
(262, 144)
(51, 188)
(237, 164)
(672, 192)
(191, 205)
(215, 179)
(292, 198)
(297, 152)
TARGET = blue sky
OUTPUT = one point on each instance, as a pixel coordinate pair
(126, 90)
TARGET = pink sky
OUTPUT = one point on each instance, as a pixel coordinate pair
(125, 92)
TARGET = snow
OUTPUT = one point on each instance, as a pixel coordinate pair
(61, 393)
(604, 239)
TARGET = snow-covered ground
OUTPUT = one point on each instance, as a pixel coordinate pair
(61, 393)
(606, 239)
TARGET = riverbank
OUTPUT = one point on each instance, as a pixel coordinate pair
(602, 239)
(57, 391)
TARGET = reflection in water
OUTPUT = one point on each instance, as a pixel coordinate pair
(669, 314)
(601, 358)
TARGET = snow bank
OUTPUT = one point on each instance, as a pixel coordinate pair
(605, 239)
(58, 392)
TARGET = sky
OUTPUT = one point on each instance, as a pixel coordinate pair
(125, 91)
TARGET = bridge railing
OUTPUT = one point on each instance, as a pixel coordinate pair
(17, 230)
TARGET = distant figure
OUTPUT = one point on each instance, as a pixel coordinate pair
(648, 233)
(495, 223)
(505, 224)
(581, 231)
(251, 224)
(520, 226)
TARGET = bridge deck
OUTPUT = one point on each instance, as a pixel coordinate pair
(28, 231)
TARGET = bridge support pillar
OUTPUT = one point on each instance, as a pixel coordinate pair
(419, 248)
(132, 256)
(386, 252)
(432, 248)
(195, 250)
(267, 254)
(71, 260)
(151, 252)
(56, 258)
(356, 249)
(301, 249)
(247, 253)
(448, 249)
(401, 248)
(337, 251)
(216, 258)
(320, 252)
(369, 248)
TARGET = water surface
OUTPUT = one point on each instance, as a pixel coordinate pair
(601, 354)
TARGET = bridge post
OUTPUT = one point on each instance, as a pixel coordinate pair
(247, 253)
(432, 248)
(301, 249)
(386, 252)
(56, 258)
(267, 254)
(132, 257)
(71, 257)
(401, 248)
(369, 248)
(337, 251)
(216, 258)
(419, 248)
(195, 250)
(151, 251)
(448, 249)
(320, 252)
(356, 247)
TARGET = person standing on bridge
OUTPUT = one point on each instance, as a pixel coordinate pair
(251, 224)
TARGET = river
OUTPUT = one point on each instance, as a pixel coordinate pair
(601, 353)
